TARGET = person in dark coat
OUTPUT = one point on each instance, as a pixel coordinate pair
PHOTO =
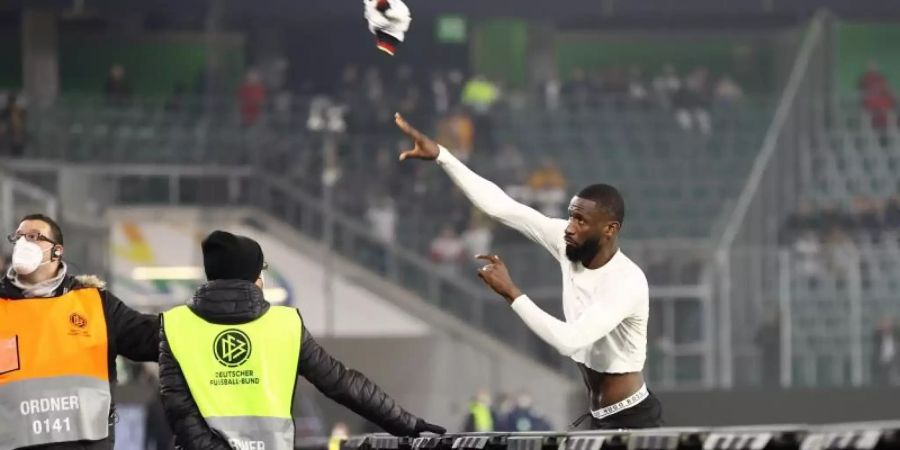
(233, 295)
(38, 271)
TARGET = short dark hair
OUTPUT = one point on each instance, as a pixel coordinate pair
(55, 230)
(607, 198)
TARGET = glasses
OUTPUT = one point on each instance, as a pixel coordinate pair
(32, 236)
(265, 266)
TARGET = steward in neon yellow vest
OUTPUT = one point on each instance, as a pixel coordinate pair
(229, 362)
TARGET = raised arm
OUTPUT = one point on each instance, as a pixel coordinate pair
(486, 195)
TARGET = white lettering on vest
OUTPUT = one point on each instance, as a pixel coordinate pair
(51, 404)
(238, 444)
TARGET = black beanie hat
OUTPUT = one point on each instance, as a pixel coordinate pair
(230, 257)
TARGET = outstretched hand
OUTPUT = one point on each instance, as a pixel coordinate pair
(496, 276)
(424, 148)
(424, 427)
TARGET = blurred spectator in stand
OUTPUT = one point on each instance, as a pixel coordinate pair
(374, 86)
(638, 93)
(879, 102)
(666, 85)
(456, 132)
(692, 102)
(831, 217)
(410, 104)
(177, 101)
(841, 253)
(871, 79)
(768, 342)
(577, 90)
(481, 417)
(275, 74)
(503, 406)
(349, 79)
(868, 217)
(12, 127)
(252, 97)
(447, 250)
(349, 91)
(440, 93)
(807, 253)
(382, 217)
(798, 223)
(523, 418)
(552, 93)
(401, 83)
(728, 93)
(118, 90)
(340, 432)
(892, 214)
(509, 167)
(549, 188)
(455, 84)
(477, 237)
(885, 360)
(480, 95)
(613, 83)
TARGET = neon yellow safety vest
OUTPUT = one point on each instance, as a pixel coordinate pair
(242, 377)
(481, 417)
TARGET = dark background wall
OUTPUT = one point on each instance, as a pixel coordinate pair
(757, 407)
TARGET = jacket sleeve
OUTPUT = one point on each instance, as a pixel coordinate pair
(187, 424)
(352, 389)
(136, 335)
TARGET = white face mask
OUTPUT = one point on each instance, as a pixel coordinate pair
(27, 257)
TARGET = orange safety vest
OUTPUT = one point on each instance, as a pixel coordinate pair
(54, 379)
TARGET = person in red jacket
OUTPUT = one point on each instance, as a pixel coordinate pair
(252, 97)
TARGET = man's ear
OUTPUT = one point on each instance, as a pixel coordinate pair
(612, 228)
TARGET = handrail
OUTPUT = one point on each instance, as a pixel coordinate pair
(750, 192)
(129, 169)
(346, 224)
(349, 223)
(798, 72)
(9, 184)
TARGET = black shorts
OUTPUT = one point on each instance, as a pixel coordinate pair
(646, 414)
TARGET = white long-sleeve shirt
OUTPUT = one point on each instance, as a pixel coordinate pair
(606, 309)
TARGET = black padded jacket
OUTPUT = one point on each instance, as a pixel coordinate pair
(236, 302)
(129, 333)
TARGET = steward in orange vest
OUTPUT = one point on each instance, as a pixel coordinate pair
(59, 338)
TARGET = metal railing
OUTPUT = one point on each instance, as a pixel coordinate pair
(747, 279)
(18, 198)
(224, 187)
(682, 340)
(850, 436)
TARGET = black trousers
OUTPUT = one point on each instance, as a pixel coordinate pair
(646, 414)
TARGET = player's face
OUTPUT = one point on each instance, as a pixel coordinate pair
(588, 230)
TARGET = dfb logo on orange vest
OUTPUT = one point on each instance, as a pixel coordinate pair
(78, 325)
(78, 320)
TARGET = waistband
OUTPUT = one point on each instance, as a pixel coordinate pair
(632, 400)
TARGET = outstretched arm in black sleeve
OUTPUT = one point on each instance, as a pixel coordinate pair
(136, 335)
(353, 390)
